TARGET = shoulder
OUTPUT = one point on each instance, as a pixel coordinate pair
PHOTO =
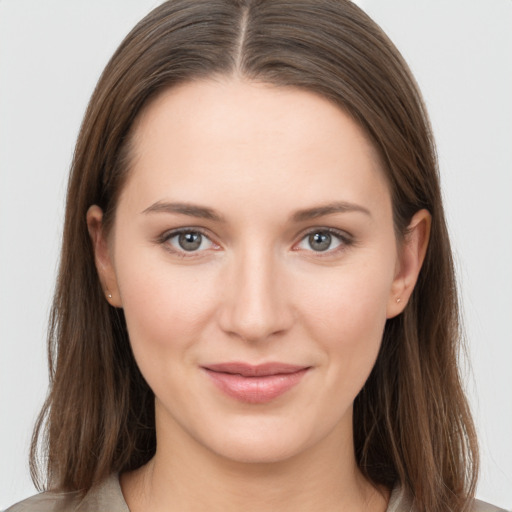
(482, 506)
(47, 502)
(401, 502)
(106, 495)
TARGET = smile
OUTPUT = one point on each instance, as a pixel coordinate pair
(255, 384)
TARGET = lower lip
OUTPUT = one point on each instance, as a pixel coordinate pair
(255, 390)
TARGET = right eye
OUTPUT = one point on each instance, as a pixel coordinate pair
(188, 241)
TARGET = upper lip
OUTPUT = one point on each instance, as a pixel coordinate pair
(259, 370)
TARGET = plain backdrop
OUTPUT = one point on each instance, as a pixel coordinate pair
(51, 54)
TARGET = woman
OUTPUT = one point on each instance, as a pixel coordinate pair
(256, 305)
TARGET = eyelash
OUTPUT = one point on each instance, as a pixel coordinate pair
(345, 241)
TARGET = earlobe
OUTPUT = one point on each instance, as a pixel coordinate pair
(102, 256)
(411, 256)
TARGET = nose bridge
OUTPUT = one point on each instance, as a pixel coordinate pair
(256, 305)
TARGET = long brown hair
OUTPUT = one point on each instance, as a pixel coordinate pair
(412, 425)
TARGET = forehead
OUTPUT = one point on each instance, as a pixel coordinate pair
(247, 140)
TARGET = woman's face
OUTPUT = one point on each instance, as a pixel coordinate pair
(254, 256)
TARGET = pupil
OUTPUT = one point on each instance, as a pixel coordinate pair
(320, 241)
(190, 241)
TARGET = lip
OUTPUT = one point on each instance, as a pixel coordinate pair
(255, 384)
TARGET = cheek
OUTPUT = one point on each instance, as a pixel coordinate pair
(346, 315)
(349, 299)
(166, 306)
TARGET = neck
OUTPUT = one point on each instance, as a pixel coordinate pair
(185, 475)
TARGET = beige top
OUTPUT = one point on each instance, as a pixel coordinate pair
(108, 497)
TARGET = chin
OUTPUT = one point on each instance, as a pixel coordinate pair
(260, 442)
(259, 451)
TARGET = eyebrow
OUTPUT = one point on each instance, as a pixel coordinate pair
(328, 209)
(201, 212)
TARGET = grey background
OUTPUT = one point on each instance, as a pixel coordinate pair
(51, 54)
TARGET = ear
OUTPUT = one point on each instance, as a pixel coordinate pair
(411, 254)
(102, 256)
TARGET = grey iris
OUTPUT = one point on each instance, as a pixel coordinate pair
(320, 241)
(190, 241)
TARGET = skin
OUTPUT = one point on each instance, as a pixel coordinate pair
(255, 291)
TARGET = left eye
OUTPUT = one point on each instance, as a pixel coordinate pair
(321, 241)
(189, 241)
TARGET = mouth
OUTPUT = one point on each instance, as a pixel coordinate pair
(255, 384)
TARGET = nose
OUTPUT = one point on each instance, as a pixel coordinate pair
(256, 306)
